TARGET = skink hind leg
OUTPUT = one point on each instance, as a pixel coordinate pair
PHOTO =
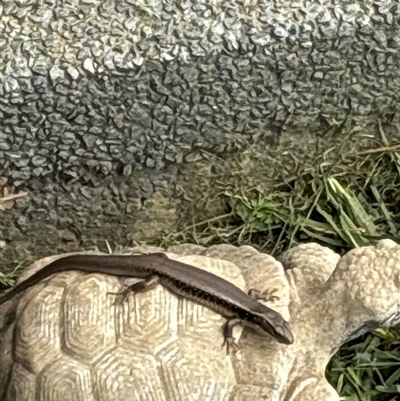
(228, 330)
(141, 286)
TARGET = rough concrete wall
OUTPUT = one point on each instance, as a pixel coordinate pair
(105, 103)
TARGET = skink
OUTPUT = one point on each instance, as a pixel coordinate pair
(180, 278)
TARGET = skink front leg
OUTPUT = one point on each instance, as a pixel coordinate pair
(141, 286)
(228, 337)
(267, 295)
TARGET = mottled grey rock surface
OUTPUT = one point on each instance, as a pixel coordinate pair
(105, 104)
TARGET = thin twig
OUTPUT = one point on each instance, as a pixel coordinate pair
(11, 197)
(378, 150)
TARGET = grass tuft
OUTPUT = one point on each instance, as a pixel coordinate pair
(349, 203)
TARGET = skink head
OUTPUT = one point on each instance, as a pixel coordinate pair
(283, 333)
(274, 326)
